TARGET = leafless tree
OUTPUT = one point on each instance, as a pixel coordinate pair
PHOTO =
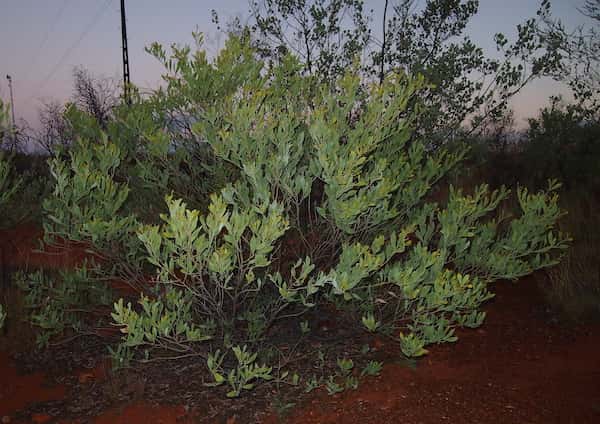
(55, 131)
(96, 96)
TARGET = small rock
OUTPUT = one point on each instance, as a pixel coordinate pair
(40, 418)
(85, 377)
(377, 344)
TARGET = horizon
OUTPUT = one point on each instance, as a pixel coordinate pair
(87, 33)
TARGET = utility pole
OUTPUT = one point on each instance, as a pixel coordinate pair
(383, 45)
(12, 107)
(126, 80)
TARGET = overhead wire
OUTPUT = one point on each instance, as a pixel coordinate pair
(73, 46)
(45, 38)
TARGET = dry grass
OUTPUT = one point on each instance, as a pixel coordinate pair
(573, 286)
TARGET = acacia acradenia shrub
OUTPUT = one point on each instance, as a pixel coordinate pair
(337, 170)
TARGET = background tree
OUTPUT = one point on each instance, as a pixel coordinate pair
(469, 89)
(579, 54)
(327, 35)
(15, 139)
(563, 146)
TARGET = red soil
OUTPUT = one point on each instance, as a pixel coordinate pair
(20, 247)
(17, 391)
(519, 367)
(516, 369)
(143, 413)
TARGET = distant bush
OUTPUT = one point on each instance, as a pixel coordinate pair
(572, 287)
(563, 144)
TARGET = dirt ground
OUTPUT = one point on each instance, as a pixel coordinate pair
(524, 365)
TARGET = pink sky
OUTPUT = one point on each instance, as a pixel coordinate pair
(42, 40)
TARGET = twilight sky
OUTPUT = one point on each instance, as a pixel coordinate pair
(42, 40)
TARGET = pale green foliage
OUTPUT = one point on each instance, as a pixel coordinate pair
(220, 260)
(343, 379)
(242, 376)
(86, 210)
(61, 302)
(370, 322)
(261, 131)
(332, 386)
(312, 384)
(87, 205)
(195, 83)
(345, 365)
(357, 263)
(412, 345)
(372, 368)
(160, 323)
(371, 175)
(443, 279)
(86, 200)
(528, 243)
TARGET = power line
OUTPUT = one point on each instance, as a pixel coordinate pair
(73, 46)
(45, 38)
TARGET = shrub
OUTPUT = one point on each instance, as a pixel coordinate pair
(35, 185)
(86, 206)
(68, 300)
(333, 168)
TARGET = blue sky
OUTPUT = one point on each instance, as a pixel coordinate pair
(42, 40)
